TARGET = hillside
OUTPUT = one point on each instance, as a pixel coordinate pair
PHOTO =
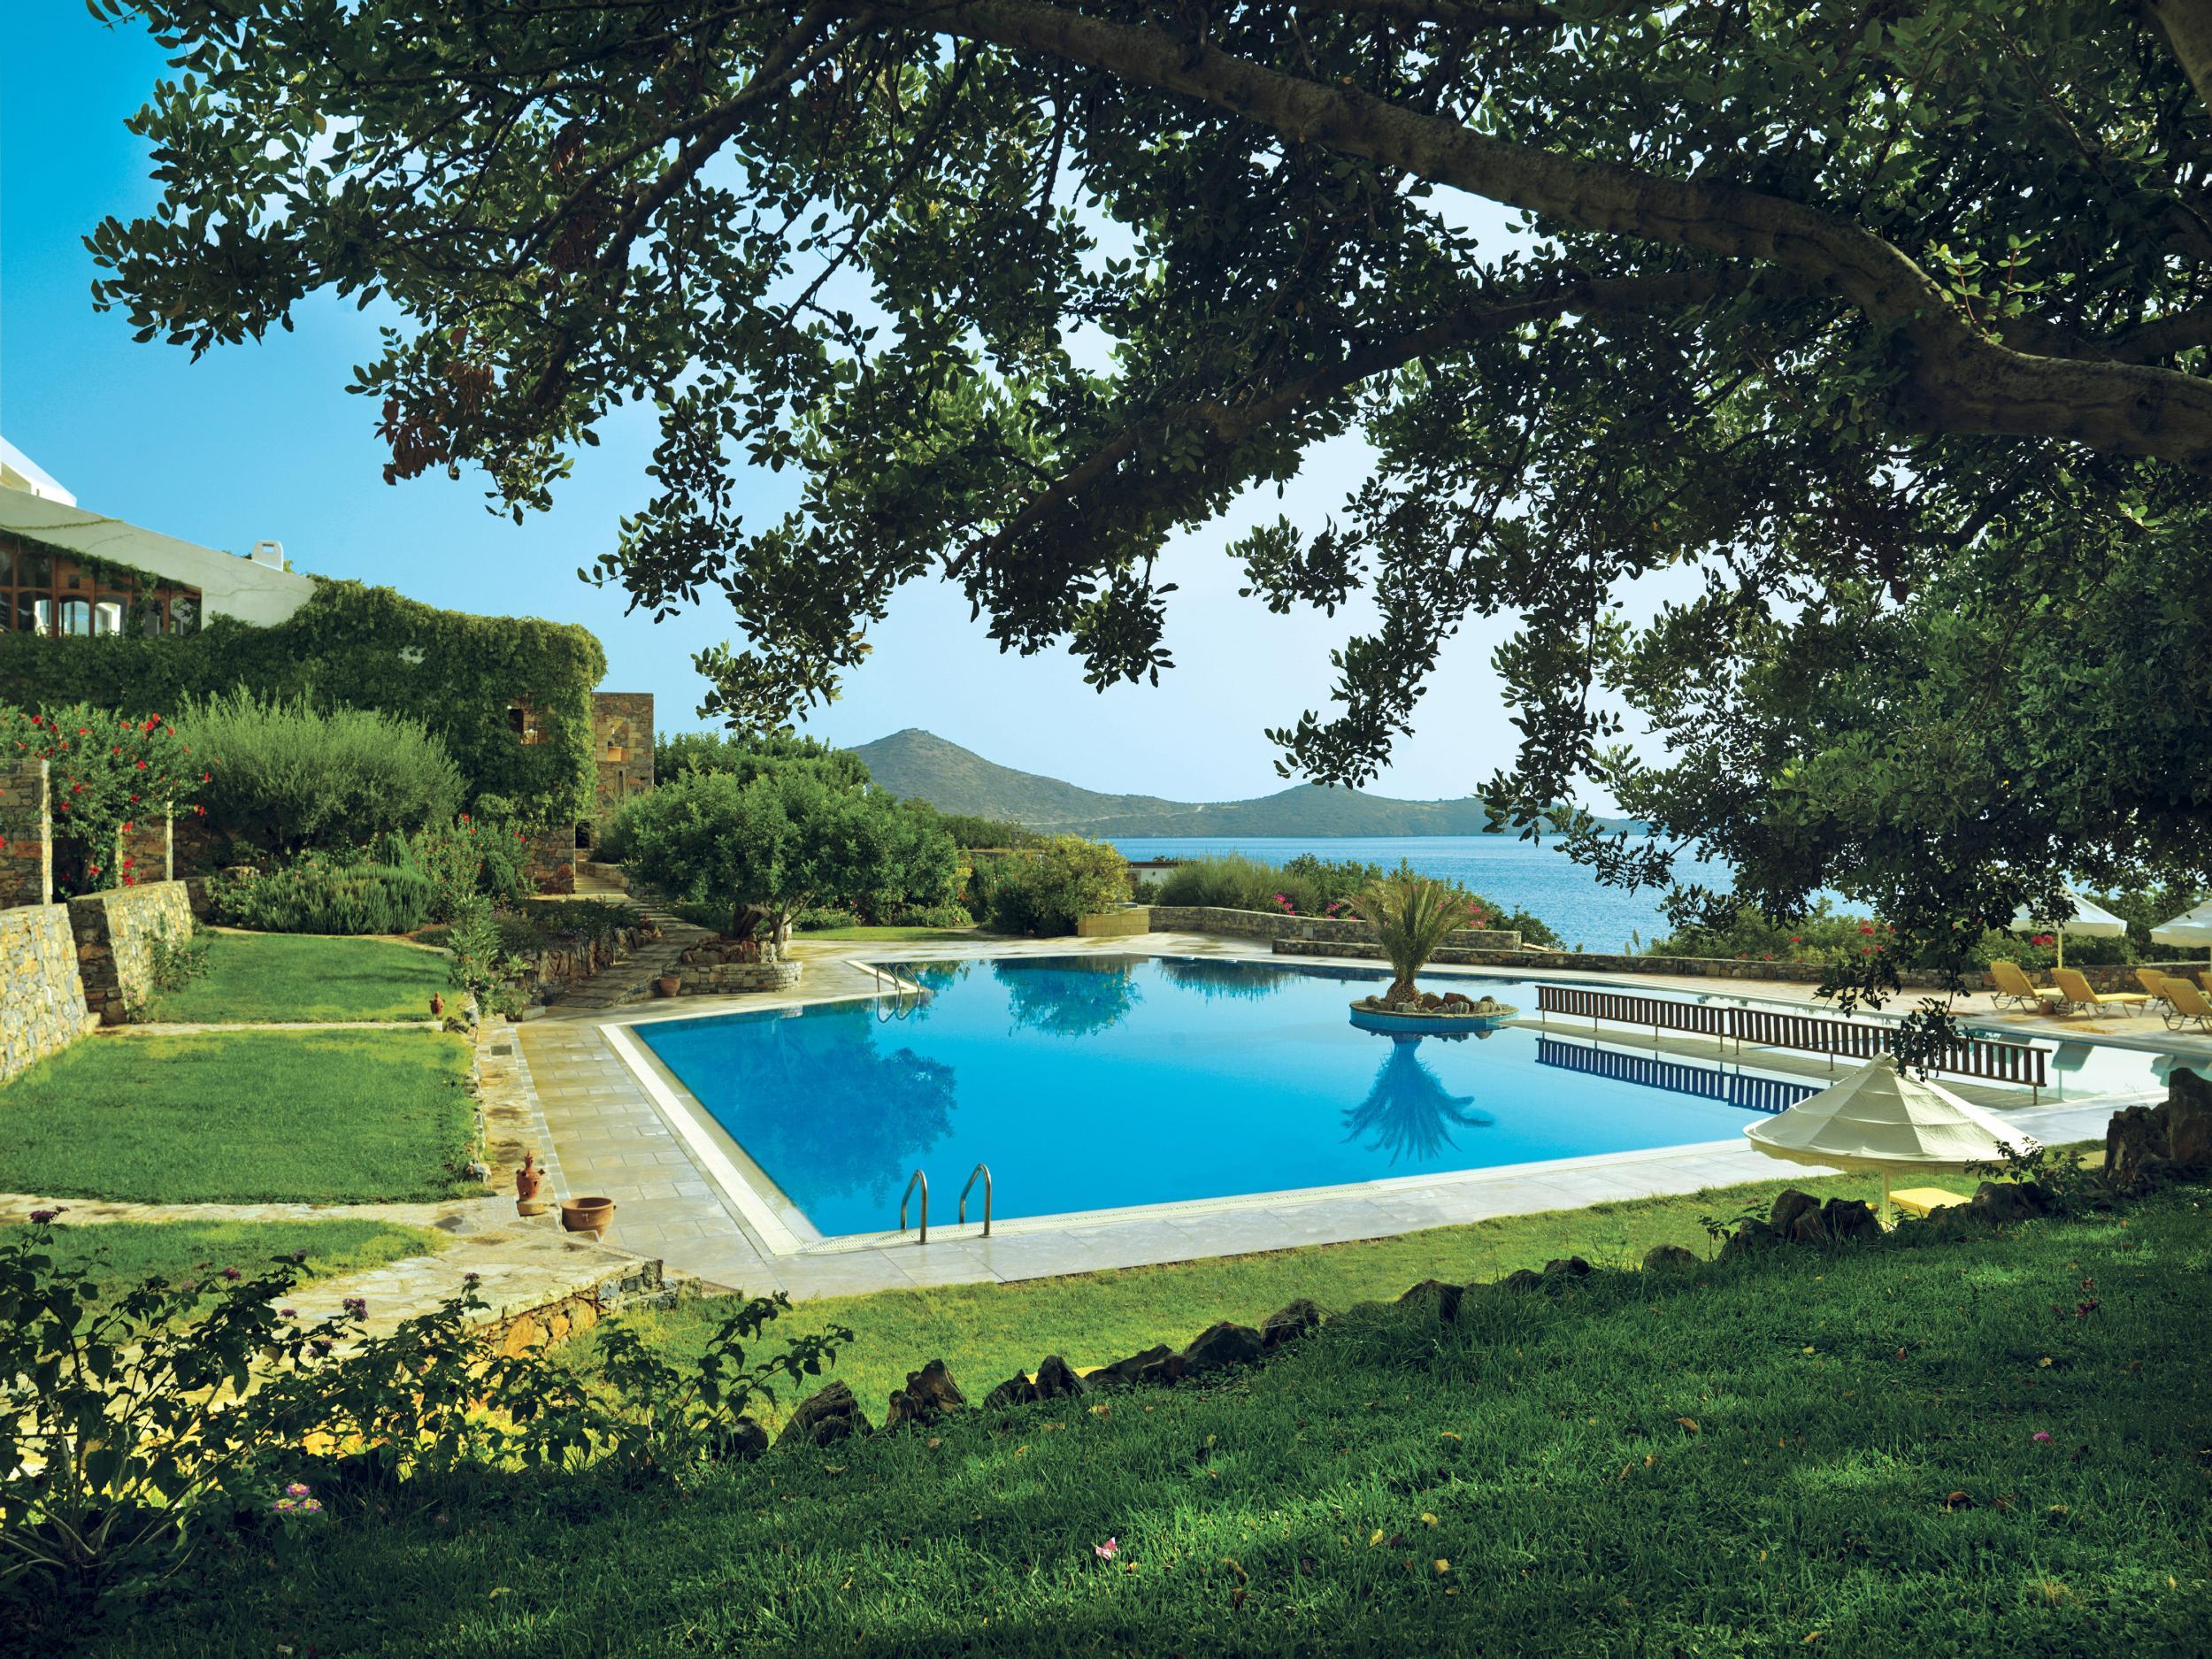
(955, 779)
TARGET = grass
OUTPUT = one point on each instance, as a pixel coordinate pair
(291, 977)
(985, 1332)
(123, 1253)
(241, 1117)
(1804, 1452)
(892, 935)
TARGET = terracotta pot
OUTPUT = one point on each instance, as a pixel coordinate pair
(529, 1177)
(591, 1214)
(667, 985)
(437, 1005)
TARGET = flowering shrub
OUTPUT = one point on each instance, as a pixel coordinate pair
(105, 772)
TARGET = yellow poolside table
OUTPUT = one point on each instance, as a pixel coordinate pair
(1920, 1199)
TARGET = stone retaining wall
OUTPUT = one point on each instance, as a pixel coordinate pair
(550, 972)
(41, 995)
(115, 932)
(26, 842)
(731, 979)
(1211, 918)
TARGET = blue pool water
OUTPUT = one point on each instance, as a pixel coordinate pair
(1094, 1082)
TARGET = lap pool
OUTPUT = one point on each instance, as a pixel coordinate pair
(1099, 1082)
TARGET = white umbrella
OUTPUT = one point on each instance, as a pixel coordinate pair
(2091, 921)
(2191, 927)
(1882, 1118)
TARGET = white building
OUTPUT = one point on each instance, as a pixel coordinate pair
(63, 569)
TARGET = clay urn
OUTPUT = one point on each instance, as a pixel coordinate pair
(591, 1214)
(437, 1005)
(529, 1181)
(667, 985)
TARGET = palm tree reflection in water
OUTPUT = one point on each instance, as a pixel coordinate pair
(1409, 1112)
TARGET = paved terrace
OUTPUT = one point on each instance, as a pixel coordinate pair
(619, 1123)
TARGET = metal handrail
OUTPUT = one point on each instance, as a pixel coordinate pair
(921, 1180)
(984, 1170)
(900, 1009)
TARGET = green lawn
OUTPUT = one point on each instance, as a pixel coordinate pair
(305, 977)
(241, 1117)
(123, 1253)
(985, 1332)
(1804, 1452)
(891, 936)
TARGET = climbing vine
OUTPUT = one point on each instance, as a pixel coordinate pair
(469, 679)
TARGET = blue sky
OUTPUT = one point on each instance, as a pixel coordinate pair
(261, 440)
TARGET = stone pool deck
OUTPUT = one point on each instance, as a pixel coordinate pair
(616, 1123)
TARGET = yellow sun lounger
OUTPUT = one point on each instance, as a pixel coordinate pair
(2014, 987)
(2079, 994)
(2186, 1005)
(1920, 1200)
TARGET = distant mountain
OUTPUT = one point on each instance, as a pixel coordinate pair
(955, 779)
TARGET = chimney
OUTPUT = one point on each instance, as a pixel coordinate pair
(269, 553)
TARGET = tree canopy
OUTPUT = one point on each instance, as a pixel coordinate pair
(1885, 319)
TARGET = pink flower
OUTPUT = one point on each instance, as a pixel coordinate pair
(1108, 1550)
(297, 1489)
(2041, 1437)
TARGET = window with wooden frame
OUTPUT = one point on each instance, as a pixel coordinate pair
(42, 591)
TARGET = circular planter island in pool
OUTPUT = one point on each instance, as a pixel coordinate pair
(1438, 1016)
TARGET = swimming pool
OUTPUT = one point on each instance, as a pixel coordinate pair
(1098, 1082)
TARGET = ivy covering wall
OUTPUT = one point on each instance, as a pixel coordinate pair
(370, 648)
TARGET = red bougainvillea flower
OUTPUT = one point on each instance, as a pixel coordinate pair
(140, 764)
(1866, 927)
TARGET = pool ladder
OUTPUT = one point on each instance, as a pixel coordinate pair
(904, 998)
(920, 1181)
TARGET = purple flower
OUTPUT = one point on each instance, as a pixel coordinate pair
(287, 1313)
(357, 1307)
(313, 1506)
(469, 1279)
(2041, 1437)
(41, 1216)
(297, 1489)
(321, 1345)
(230, 1273)
(284, 1506)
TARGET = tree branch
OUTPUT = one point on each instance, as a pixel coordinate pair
(1958, 381)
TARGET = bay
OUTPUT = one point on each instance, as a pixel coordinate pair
(1533, 876)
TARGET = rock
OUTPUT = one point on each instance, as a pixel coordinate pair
(1457, 1002)
(1787, 1207)
(1288, 1323)
(1150, 1365)
(2135, 1148)
(1669, 1258)
(1446, 1298)
(1431, 1001)
(1522, 1279)
(1849, 1218)
(1057, 1379)
(743, 1440)
(2188, 1110)
(1221, 1344)
(1561, 1267)
(1753, 1235)
(2010, 1201)
(1016, 1390)
(1808, 1228)
(930, 1393)
(827, 1417)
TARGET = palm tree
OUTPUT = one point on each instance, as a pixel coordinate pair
(1412, 915)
